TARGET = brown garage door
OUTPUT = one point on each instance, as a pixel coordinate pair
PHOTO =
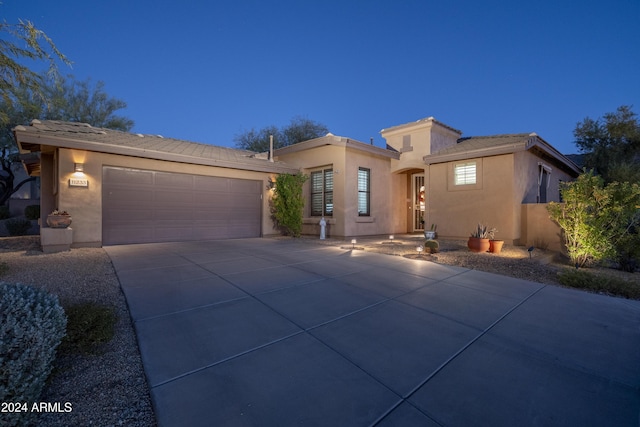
(140, 206)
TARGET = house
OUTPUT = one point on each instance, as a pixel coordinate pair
(131, 188)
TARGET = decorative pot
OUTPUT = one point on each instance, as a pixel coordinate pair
(495, 246)
(59, 221)
(429, 234)
(478, 245)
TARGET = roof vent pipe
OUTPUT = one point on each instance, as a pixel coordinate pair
(271, 148)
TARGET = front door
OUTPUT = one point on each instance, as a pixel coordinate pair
(419, 205)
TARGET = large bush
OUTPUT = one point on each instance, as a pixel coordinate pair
(596, 219)
(32, 212)
(32, 324)
(287, 203)
(17, 226)
(4, 212)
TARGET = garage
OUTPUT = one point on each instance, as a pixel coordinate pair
(143, 206)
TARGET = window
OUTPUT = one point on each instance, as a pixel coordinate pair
(322, 193)
(364, 192)
(464, 173)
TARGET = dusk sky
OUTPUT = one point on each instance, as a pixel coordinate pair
(206, 71)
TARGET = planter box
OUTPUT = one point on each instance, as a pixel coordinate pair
(56, 239)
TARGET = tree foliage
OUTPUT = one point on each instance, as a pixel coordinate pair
(611, 145)
(596, 219)
(287, 204)
(59, 99)
(298, 130)
(29, 44)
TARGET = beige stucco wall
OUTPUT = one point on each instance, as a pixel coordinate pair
(85, 203)
(538, 229)
(386, 191)
(458, 210)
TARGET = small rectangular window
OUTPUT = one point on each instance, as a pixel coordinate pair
(364, 192)
(464, 173)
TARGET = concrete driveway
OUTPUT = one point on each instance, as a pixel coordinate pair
(266, 332)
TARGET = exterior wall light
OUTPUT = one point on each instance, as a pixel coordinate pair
(78, 168)
(271, 184)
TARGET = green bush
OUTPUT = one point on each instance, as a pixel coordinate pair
(32, 324)
(17, 226)
(287, 203)
(595, 217)
(4, 212)
(32, 212)
(583, 279)
(4, 267)
(89, 325)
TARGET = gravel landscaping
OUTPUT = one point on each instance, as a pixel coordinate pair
(110, 388)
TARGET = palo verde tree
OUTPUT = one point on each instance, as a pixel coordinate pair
(298, 130)
(611, 145)
(287, 203)
(597, 220)
(21, 43)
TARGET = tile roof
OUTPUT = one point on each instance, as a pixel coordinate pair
(484, 146)
(86, 137)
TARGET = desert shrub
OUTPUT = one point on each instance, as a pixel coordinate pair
(431, 246)
(32, 324)
(594, 217)
(4, 212)
(584, 279)
(17, 226)
(89, 325)
(287, 203)
(32, 212)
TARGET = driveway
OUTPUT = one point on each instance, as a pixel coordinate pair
(267, 332)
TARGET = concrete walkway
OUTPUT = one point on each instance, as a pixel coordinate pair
(265, 332)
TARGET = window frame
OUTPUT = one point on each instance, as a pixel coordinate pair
(462, 174)
(366, 192)
(326, 194)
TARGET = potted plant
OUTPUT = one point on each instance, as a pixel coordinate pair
(479, 239)
(430, 234)
(59, 219)
(495, 245)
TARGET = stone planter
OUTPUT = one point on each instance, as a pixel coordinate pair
(59, 221)
(478, 245)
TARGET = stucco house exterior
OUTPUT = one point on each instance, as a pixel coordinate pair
(130, 188)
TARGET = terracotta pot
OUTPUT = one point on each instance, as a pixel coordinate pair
(478, 245)
(59, 221)
(495, 246)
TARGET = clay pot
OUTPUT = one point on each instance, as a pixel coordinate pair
(478, 245)
(495, 246)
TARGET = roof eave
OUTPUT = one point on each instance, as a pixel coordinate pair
(472, 154)
(25, 137)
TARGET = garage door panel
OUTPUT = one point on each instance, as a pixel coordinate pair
(173, 180)
(163, 197)
(153, 206)
(128, 176)
(212, 184)
(128, 195)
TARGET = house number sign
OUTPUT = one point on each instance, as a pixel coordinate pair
(78, 182)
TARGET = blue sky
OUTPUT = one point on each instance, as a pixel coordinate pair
(207, 70)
